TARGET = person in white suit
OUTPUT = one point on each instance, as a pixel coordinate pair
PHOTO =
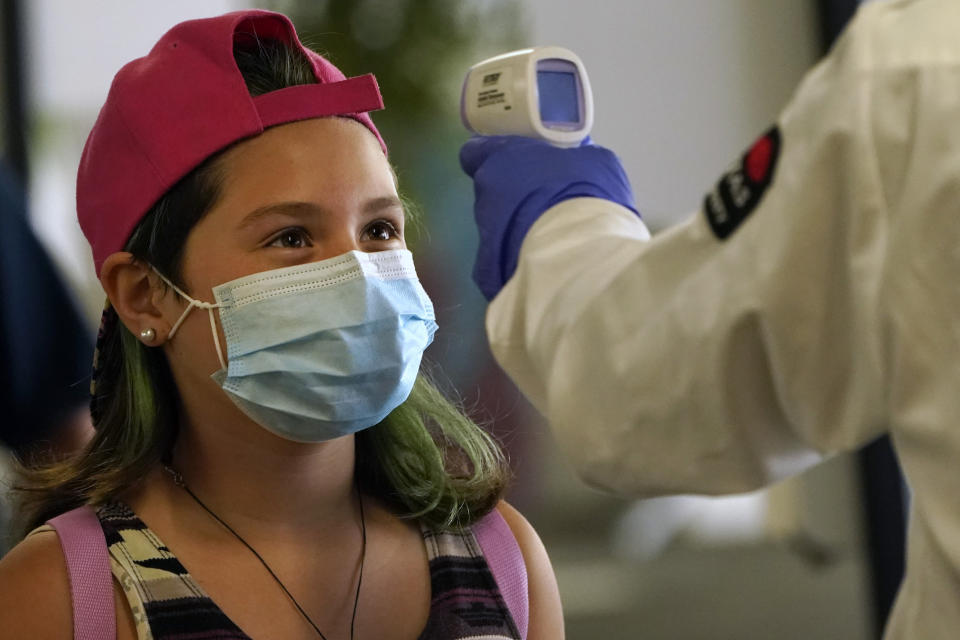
(810, 306)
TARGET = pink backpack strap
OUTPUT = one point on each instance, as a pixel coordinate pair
(88, 566)
(506, 563)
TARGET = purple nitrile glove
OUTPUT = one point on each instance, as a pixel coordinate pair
(516, 179)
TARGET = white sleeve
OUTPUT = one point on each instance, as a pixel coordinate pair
(695, 363)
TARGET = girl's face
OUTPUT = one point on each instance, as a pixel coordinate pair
(298, 193)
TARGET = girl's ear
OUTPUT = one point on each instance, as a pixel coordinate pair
(135, 292)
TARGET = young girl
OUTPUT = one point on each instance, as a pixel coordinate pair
(268, 461)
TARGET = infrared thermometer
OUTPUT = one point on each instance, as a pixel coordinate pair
(540, 93)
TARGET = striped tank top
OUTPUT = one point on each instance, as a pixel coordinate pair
(167, 604)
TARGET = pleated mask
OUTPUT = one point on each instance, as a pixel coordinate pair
(321, 350)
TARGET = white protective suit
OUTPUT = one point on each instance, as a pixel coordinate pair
(831, 315)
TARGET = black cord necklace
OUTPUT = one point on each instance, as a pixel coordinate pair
(178, 480)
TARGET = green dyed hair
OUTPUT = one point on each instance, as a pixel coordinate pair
(427, 460)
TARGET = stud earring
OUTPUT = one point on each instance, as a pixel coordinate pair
(148, 334)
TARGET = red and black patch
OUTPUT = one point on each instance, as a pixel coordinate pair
(742, 187)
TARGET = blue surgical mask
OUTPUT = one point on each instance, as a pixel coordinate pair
(322, 350)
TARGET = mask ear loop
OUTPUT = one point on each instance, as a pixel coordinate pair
(209, 306)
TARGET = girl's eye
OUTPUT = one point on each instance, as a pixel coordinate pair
(293, 238)
(381, 230)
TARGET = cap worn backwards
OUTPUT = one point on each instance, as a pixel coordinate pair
(169, 111)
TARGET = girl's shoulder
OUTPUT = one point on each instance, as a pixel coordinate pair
(546, 615)
(531, 593)
(531, 547)
(34, 588)
(35, 596)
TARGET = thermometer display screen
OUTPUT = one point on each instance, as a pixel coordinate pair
(559, 97)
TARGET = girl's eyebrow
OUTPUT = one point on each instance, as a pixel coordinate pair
(304, 209)
(385, 202)
(294, 208)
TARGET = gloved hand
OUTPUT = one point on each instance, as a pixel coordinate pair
(516, 179)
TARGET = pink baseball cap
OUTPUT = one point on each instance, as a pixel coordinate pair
(185, 100)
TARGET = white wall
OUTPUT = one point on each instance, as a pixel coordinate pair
(681, 87)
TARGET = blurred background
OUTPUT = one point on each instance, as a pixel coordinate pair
(680, 89)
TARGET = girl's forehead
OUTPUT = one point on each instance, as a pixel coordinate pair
(334, 138)
(335, 156)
